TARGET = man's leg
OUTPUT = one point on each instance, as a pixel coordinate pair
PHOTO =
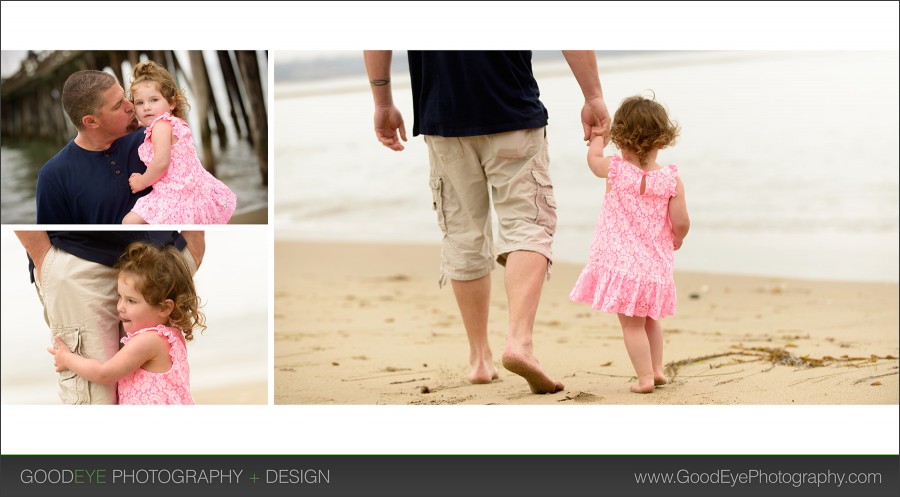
(517, 169)
(525, 272)
(79, 299)
(460, 195)
(474, 299)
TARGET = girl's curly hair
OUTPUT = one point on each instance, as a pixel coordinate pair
(161, 274)
(151, 72)
(640, 125)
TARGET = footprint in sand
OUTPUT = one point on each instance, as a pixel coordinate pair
(582, 398)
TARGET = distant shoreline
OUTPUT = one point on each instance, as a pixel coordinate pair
(351, 78)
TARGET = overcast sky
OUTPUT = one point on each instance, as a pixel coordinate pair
(11, 60)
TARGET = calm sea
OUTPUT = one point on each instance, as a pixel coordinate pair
(789, 159)
(237, 167)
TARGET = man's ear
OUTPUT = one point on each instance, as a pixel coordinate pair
(90, 121)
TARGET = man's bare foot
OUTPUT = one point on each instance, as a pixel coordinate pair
(483, 372)
(641, 387)
(527, 367)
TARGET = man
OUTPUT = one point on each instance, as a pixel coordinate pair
(75, 280)
(87, 181)
(484, 124)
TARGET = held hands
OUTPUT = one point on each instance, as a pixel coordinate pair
(136, 182)
(599, 132)
(595, 114)
(677, 242)
(60, 353)
(388, 122)
(598, 139)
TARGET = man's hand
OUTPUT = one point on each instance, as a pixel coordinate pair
(599, 138)
(196, 245)
(594, 114)
(37, 245)
(388, 122)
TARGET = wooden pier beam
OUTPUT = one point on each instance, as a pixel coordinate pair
(234, 95)
(201, 94)
(259, 128)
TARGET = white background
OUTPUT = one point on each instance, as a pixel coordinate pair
(439, 25)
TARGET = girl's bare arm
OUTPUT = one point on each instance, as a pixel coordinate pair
(162, 141)
(678, 214)
(132, 356)
(596, 161)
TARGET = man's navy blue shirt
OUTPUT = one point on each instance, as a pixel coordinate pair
(105, 247)
(471, 93)
(78, 186)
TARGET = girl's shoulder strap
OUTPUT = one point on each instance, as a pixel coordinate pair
(129, 336)
(615, 165)
(179, 128)
(165, 115)
(672, 173)
(170, 334)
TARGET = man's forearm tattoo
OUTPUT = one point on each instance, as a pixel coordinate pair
(380, 82)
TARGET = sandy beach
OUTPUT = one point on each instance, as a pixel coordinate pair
(367, 324)
(235, 394)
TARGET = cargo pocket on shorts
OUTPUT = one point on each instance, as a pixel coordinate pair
(545, 201)
(73, 389)
(437, 186)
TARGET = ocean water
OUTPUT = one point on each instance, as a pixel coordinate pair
(789, 160)
(237, 167)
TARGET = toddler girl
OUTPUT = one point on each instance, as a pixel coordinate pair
(643, 221)
(159, 309)
(183, 192)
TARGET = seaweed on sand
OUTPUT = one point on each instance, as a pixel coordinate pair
(772, 355)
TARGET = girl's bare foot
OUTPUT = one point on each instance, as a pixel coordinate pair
(659, 379)
(642, 387)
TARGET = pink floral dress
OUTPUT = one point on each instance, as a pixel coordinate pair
(171, 387)
(187, 194)
(631, 266)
